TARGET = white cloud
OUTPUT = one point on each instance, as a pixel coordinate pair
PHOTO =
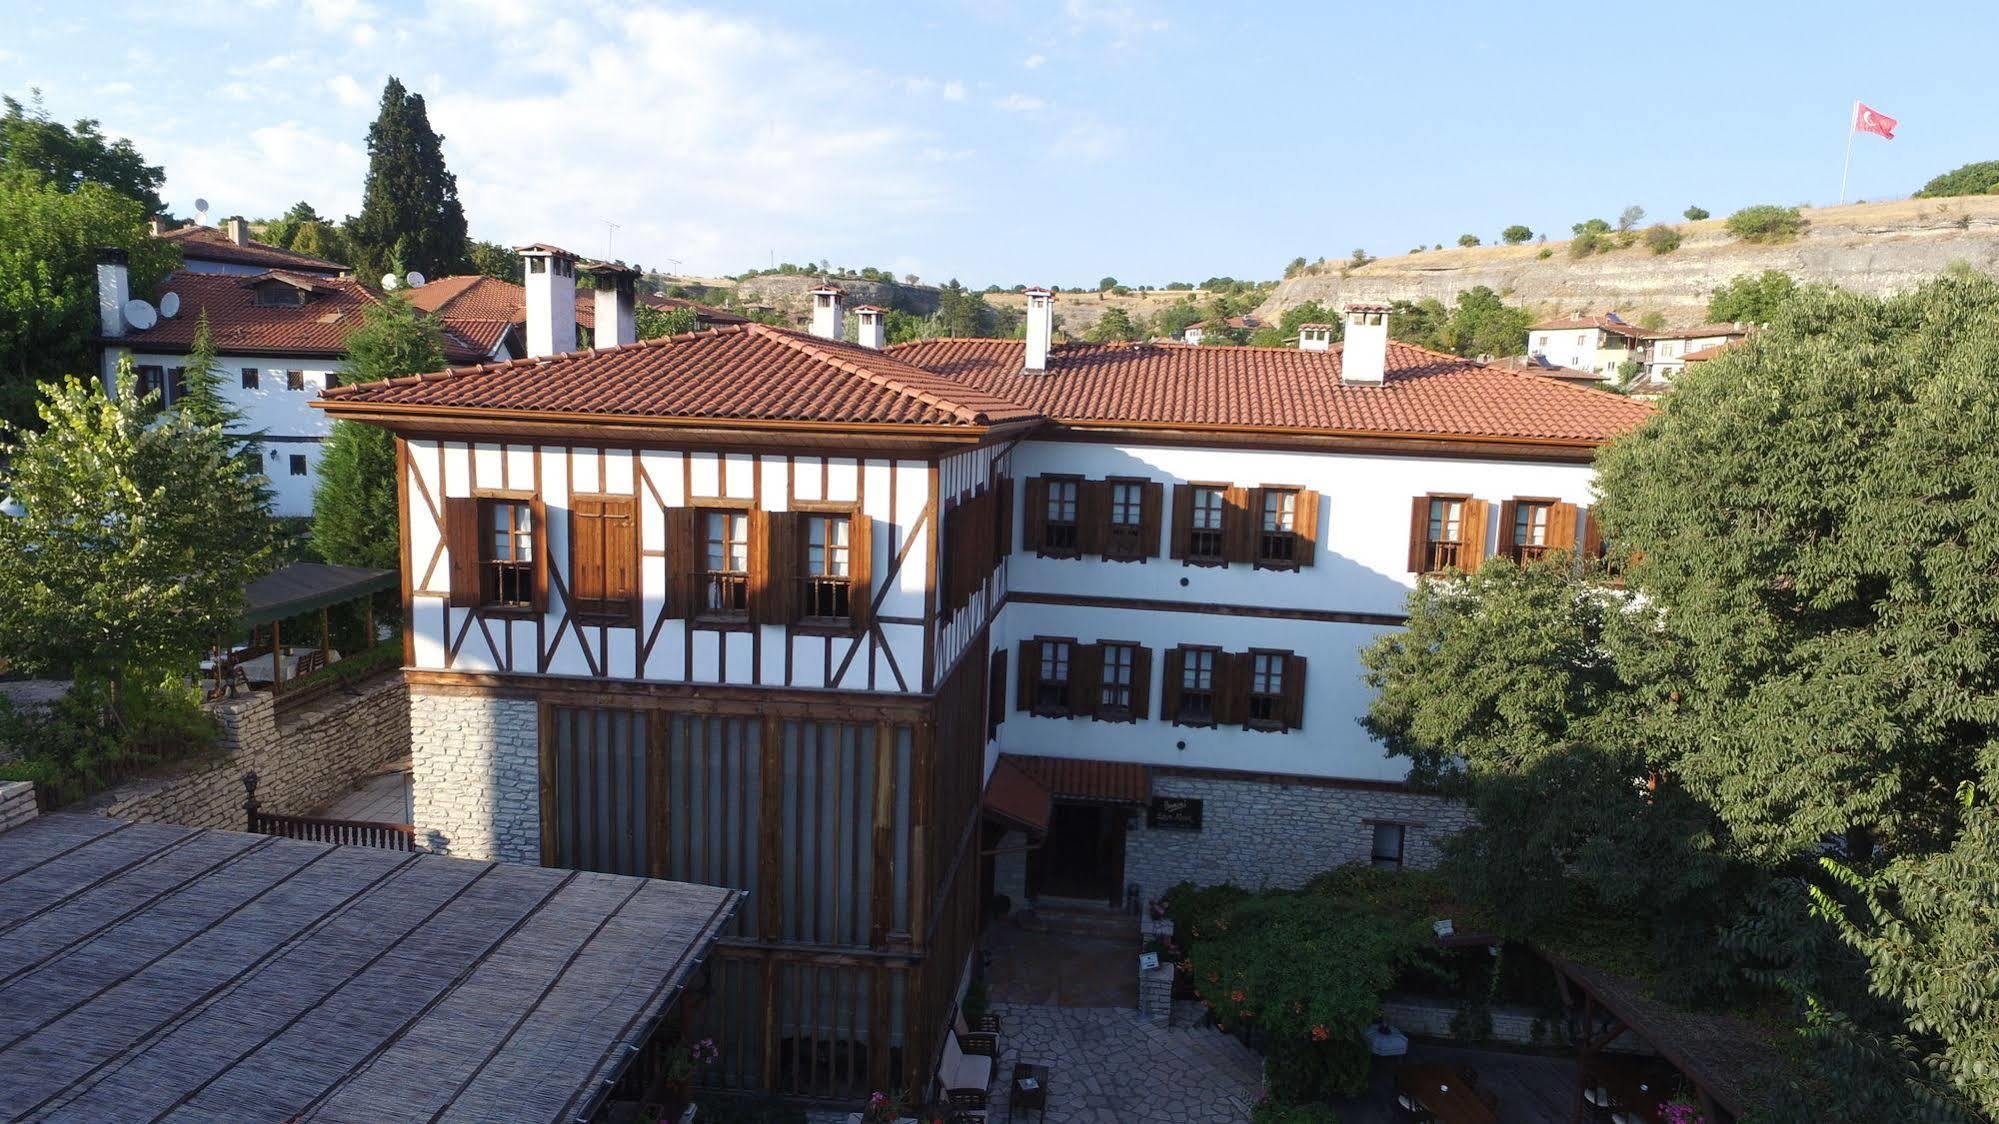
(261, 171)
(1033, 62)
(363, 34)
(954, 91)
(116, 89)
(1021, 103)
(1118, 25)
(347, 90)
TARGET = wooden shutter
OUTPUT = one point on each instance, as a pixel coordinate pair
(951, 561)
(538, 535)
(1030, 670)
(774, 567)
(1093, 516)
(1172, 675)
(1141, 682)
(1477, 512)
(1509, 510)
(621, 557)
(1183, 521)
(604, 556)
(1231, 688)
(1034, 519)
(1307, 526)
(861, 567)
(1003, 517)
(1561, 526)
(683, 560)
(461, 541)
(586, 552)
(996, 694)
(1086, 679)
(1150, 496)
(1592, 535)
(1239, 524)
(1294, 692)
(1419, 534)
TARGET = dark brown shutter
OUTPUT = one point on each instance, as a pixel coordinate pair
(774, 566)
(1003, 517)
(1473, 554)
(1183, 521)
(1034, 520)
(1294, 692)
(1419, 534)
(1307, 526)
(1592, 535)
(538, 535)
(1561, 526)
(1508, 511)
(996, 694)
(621, 558)
(1030, 670)
(587, 579)
(1086, 679)
(1150, 496)
(1172, 675)
(1231, 688)
(1239, 525)
(1141, 682)
(861, 565)
(461, 540)
(1093, 516)
(683, 560)
(951, 561)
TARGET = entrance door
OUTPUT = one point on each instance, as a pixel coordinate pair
(1083, 857)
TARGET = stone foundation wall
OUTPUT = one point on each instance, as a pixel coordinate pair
(1267, 833)
(304, 760)
(475, 783)
(17, 803)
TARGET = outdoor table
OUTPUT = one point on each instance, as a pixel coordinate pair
(1444, 1094)
(1034, 1097)
(1385, 1041)
(1635, 1086)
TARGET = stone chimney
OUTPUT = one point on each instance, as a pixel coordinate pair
(114, 288)
(1040, 329)
(1364, 355)
(873, 329)
(551, 299)
(237, 228)
(617, 303)
(829, 318)
(156, 225)
(1315, 337)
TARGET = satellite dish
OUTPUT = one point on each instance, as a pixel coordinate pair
(201, 204)
(414, 279)
(170, 305)
(201, 212)
(389, 281)
(140, 315)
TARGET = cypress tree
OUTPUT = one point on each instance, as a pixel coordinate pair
(410, 215)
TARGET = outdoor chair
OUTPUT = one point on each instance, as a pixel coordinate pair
(979, 1036)
(966, 1077)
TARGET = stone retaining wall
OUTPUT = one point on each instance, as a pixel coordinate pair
(304, 760)
(475, 780)
(17, 803)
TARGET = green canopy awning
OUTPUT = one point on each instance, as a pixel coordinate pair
(304, 586)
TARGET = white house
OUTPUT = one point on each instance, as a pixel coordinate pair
(1666, 352)
(1598, 344)
(230, 249)
(833, 624)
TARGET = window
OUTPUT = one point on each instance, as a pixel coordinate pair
(1388, 843)
(1197, 687)
(1205, 543)
(1127, 520)
(1543, 343)
(1277, 544)
(294, 380)
(1266, 689)
(298, 464)
(726, 562)
(249, 378)
(152, 380)
(1114, 695)
(1059, 528)
(1446, 536)
(828, 566)
(603, 557)
(280, 295)
(506, 553)
(1529, 534)
(1051, 681)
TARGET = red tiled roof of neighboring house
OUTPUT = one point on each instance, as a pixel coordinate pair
(1700, 331)
(1014, 796)
(241, 325)
(475, 296)
(1709, 352)
(749, 372)
(206, 243)
(1535, 365)
(706, 314)
(1616, 327)
(1178, 385)
(1071, 778)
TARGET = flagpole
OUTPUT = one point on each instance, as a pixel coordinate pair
(1852, 116)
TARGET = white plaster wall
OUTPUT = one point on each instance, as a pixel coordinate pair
(270, 408)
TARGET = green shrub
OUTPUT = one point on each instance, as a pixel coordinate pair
(1766, 222)
(1467, 239)
(1273, 1112)
(1516, 234)
(1695, 214)
(1590, 242)
(76, 745)
(1545, 253)
(1981, 178)
(1662, 239)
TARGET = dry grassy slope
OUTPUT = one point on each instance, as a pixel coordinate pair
(1873, 248)
(1077, 311)
(791, 293)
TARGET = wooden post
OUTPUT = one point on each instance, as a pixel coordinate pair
(368, 612)
(277, 660)
(324, 637)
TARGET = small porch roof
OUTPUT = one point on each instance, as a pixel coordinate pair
(1017, 799)
(1097, 782)
(304, 586)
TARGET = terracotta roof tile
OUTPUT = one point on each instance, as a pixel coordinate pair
(1703, 354)
(714, 317)
(206, 243)
(1019, 799)
(744, 372)
(475, 296)
(1425, 392)
(240, 324)
(1070, 778)
(1616, 327)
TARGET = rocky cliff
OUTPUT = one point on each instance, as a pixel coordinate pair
(1875, 248)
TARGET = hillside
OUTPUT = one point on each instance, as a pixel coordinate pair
(790, 293)
(1873, 248)
(1075, 312)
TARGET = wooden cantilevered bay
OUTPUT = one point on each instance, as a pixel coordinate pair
(152, 972)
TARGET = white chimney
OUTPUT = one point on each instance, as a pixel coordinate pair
(114, 288)
(873, 330)
(617, 303)
(157, 225)
(551, 299)
(1315, 337)
(239, 230)
(1364, 356)
(829, 319)
(1040, 329)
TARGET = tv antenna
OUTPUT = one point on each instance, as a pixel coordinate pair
(610, 236)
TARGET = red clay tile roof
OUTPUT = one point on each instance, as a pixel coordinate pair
(1069, 778)
(475, 296)
(1706, 353)
(1425, 392)
(714, 317)
(1615, 327)
(1019, 799)
(745, 372)
(206, 243)
(241, 325)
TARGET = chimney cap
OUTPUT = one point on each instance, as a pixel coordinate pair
(544, 249)
(830, 289)
(113, 255)
(1315, 327)
(1038, 291)
(1367, 306)
(611, 268)
(863, 310)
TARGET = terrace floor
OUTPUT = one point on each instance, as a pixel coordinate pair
(383, 798)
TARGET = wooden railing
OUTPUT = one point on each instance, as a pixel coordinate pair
(313, 829)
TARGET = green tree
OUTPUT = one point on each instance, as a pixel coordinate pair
(1106, 284)
(1981, 178)
(1695, 214)
(1467, 239)
(1295, 266)
(48, 278)
(410, 215)
(69, 157)
(1114, 326)
(1478, 322)
(495, 260)
(1592, 236)
(1751, 298)
(1516, 234)
(654, 323)
(1767, 222)
(143, 531)
(1662, 239)
(354, 503)
(1175, 318)
(302, 230)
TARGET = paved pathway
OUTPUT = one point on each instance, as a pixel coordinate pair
(380, 799)
(1107, 1066)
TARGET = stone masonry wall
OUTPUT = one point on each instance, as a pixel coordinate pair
(304, 760)
(17, 803)
(476, 777)
(1259, 833)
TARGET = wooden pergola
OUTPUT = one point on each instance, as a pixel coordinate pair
(301, 588)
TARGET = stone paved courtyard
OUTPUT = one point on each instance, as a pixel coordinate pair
(1107, 1066)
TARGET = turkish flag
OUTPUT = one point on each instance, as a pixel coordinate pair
(1870, 120)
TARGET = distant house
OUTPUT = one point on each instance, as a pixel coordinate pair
(1195, 333)
(1597, 344)
(1668, 352)
(230, 249)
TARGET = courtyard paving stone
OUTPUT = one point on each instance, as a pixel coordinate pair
(1106, 1064)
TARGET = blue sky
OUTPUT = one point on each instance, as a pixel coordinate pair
(1048, 141)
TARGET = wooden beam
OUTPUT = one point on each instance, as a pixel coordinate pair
(770, 830)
